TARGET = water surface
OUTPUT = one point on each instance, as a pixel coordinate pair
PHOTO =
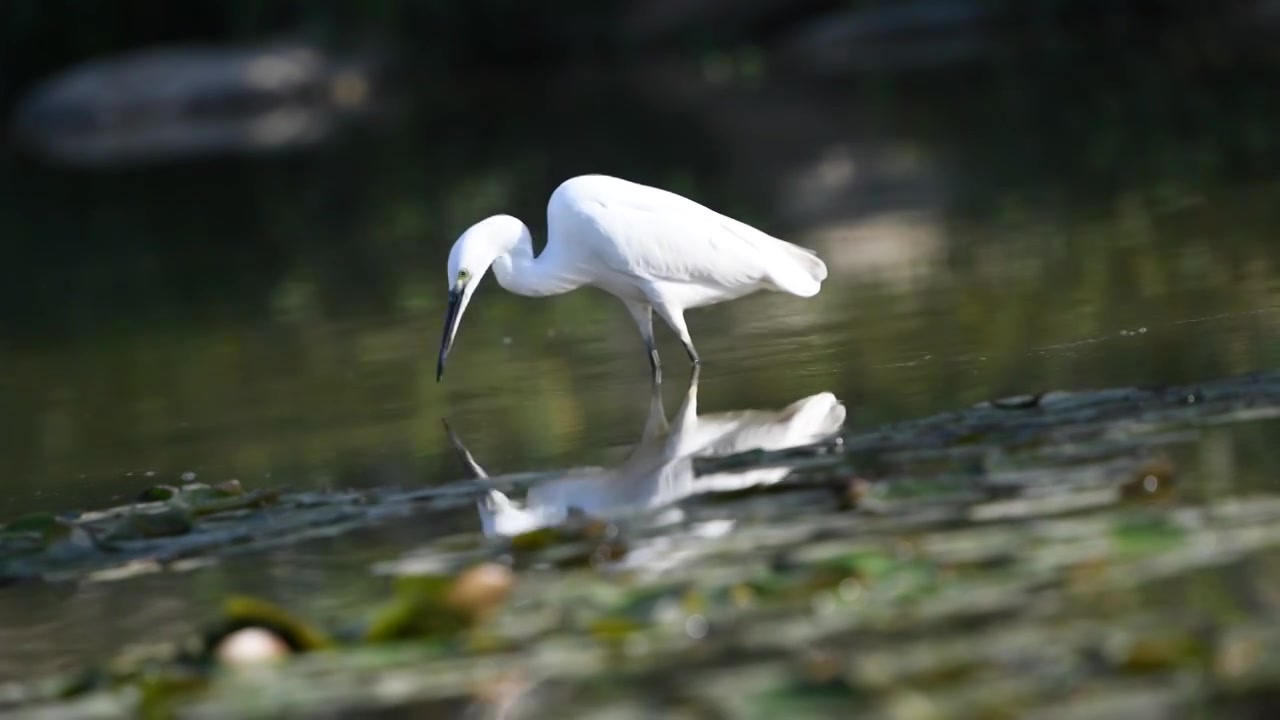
(276, 320)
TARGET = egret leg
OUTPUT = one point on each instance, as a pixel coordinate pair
(642, 313)
(686, 417)
(675, 318)
(693, 355)
(655, 424)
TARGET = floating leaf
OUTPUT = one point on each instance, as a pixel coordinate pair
(140, 524)
(162, 689)
(43, 532)
(35, 531)
(39, 523)
(615, 628)
(579, 540)
(1146, 535)
(229, 488)
(158, 493)
(417, 610)
(209, 500)
(441, 606)
(534, 540)
(1157, 651)
(242, 612)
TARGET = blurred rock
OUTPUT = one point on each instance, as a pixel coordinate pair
(169, 103)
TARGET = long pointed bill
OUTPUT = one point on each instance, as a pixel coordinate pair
(451, 319)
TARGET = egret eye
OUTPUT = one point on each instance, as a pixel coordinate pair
(463, 275)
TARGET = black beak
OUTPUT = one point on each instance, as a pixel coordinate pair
(451, 318)
(463, 453)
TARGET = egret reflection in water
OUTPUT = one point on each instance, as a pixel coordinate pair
(659, 469)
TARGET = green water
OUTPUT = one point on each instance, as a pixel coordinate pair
(276, 319)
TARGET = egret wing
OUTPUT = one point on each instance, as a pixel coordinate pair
(655, 235)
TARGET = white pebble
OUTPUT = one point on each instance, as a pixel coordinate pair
(695, 626)
(251, 645)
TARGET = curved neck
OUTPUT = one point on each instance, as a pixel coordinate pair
(520, 272)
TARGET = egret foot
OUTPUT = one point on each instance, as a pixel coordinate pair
(693, 354)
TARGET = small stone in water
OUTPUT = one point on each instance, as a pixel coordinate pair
(855, 491)
(188, 476)
(1237, 655)
(251, 645)
(695, 626)
(849, 589)
(480, 589)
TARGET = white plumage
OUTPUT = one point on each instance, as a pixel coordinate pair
(653, 249)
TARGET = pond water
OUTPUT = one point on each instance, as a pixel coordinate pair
(276, 320)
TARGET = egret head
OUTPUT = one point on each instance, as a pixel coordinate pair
(472, 255)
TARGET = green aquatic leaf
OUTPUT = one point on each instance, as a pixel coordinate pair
(417, 610)
(34, 523)
(870, 565)
(1146, 536)
(1156, 651)
(534, 540)
(43, 529)
(163, 690)
(43, 532)
(158, 493)
(580, 540)
(440, 606)
(203, 499)
(229, 488)
(241, 611)
(140, 524)
(615, 628)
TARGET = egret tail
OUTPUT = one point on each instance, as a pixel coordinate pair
(798, 270)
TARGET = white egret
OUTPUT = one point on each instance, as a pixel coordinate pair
(659, 469)
(653, 249)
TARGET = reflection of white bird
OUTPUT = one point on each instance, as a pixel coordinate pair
(659, 470)
(655, 250)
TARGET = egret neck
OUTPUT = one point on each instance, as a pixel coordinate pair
(523, 274)
(505, 244)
